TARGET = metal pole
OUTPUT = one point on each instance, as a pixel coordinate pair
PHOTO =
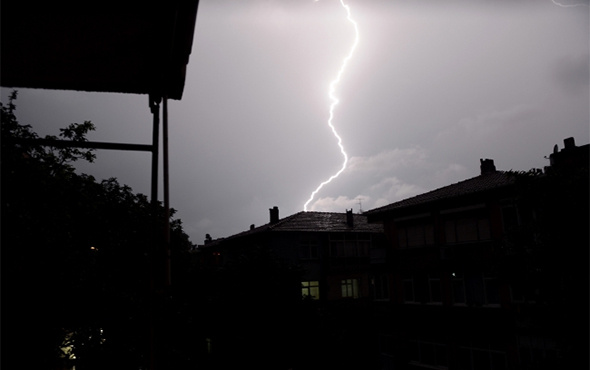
(155, 108)
(154, 103)
(85, 144)
(167, 266)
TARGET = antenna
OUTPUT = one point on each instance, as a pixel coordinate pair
(360, 203)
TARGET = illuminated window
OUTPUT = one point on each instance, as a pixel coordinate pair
(350, 288)
(310, 289)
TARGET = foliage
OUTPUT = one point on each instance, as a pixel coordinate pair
(76, 256)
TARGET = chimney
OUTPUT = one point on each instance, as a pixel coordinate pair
(274, 214)
(252, 227)
(569, 143)
(487, 166)
(349, 218)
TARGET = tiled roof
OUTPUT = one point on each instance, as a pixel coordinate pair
(315, 222)
(473, 185)
(324, 221)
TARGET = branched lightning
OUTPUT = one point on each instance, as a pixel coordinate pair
(335, 102)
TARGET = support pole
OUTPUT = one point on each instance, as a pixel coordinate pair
(167, 272)
(155, 311)
(155, 109)
(56, 143)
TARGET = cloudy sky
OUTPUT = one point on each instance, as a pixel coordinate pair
(432, 87)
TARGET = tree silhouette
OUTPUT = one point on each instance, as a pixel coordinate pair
(75, 256)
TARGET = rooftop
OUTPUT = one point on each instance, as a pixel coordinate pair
(478, 184)
(313, 222)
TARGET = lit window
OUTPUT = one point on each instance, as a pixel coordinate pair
(350, 288)
(310, 289)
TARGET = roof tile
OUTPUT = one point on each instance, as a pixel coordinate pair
(473, 185)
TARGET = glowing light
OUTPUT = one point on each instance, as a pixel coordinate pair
(335, 102)
(569, 5)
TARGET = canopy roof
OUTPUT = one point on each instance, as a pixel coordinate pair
(138, 48)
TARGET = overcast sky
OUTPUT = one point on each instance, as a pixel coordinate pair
(432, 87)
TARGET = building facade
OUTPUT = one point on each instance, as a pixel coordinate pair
(491, 272)
(487, 273)
(340, 255)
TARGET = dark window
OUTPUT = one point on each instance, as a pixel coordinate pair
(458, 284)
(428, 353)
(408, 286)
(492, 288)
(467, 229)
(416, 235)
(380, 286)
(308, 250)
(434, 289)
(509, 218)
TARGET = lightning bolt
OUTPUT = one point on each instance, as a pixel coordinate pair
(335, 101)
(569, 5)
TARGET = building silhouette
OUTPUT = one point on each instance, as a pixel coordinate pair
(487, 273)
(338, 253)
(278, 294)
(491, 272)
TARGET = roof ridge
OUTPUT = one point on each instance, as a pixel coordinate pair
(430, 192)
(282, 220)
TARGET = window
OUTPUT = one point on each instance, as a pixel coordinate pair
(535, 352)
(416, 235)
(482, 289)
(492, 289)
(518, 290)
(481, 359)
(408, 286)
(483, 229)
(434, 289)
(349, 245)
(458, 284)
(310, 289)
(467, 229)
(308, 249)
(509, 218)
(380, 287)
(428, 354)
(350, 288)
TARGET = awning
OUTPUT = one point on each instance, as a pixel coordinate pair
(139, 48)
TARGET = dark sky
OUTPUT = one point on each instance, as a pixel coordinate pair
(432, 87)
